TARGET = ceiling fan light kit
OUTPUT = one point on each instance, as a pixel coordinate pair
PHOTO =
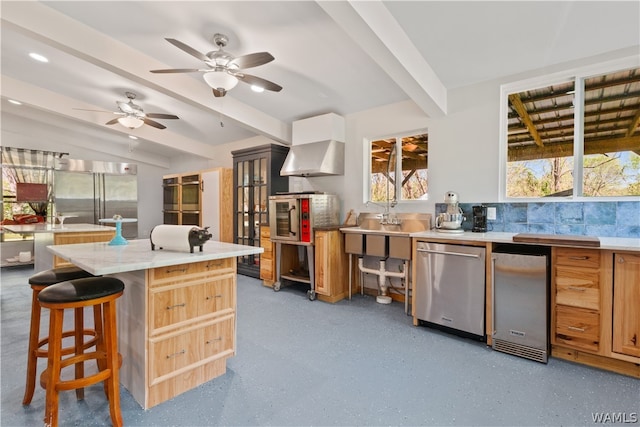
(130, 122)
(220, 80)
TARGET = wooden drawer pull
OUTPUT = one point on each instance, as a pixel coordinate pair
(171, 307)
(577, 289)
(215, 264)
(573, 328)
(579, 258)
(215, 296)
(182, 270)
(169, 356)
(215, 339)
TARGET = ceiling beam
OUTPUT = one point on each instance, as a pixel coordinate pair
(517, 104)
(52, 102)
(611, 145)
(51, 27)
(375, 30)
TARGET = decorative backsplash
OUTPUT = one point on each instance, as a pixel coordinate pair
(602, 219)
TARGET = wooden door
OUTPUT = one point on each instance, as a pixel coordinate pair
(626, 300)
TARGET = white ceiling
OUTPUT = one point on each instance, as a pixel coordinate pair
(333, 56)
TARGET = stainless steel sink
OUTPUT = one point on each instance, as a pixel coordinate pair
(370, 223)
(376, 238)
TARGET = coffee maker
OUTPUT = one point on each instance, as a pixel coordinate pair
(479, 219)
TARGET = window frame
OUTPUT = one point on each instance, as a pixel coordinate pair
(366, 148)
(578, 75)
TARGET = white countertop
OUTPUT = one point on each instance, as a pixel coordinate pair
(101, 258)
(43, 227)
(612, 243)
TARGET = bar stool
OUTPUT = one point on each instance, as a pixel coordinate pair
(73, 294)
(39, 282)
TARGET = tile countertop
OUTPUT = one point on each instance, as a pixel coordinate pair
(101, 258)
(43, 227)
(611, 243)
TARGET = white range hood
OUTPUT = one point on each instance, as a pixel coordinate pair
(318, 147)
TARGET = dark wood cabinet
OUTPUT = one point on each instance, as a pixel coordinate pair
(256, 177)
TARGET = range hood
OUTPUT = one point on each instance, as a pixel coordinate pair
(321, 158)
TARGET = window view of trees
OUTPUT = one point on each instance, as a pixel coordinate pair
(541, 130)
(386, 181)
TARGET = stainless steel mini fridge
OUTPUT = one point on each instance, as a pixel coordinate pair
(520, 305)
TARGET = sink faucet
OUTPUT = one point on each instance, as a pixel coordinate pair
(386, 217)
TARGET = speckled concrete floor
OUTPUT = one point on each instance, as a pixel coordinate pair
(356, 362)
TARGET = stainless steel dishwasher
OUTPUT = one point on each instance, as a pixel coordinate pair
(520, 300)
(450, 288)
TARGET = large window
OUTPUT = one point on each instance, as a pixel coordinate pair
(398, 168)
(574, 136)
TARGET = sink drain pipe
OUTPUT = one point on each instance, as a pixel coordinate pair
(382, 274)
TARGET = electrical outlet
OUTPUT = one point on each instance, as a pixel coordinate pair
(491, 213)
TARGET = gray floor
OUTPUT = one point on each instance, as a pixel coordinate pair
(356, 362)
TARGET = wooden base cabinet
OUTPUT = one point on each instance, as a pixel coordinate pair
(190, 327)
(267, 258)
(626, 304)
(79, 237)
(331, 276)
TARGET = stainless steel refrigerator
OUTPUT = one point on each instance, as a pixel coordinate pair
(93, 190)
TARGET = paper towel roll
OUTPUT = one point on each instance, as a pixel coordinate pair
(171, 237)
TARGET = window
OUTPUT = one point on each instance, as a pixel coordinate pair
(395, 177)
(576, 136)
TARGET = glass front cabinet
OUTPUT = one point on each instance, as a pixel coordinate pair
(256, 177)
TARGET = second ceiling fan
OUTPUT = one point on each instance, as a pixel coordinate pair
(223, 69)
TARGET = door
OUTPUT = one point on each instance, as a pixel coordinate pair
(626, 300)
(74, 194)
(118, 195)
(285, 219)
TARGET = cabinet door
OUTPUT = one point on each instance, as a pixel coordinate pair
(322, 266)
(626, 304)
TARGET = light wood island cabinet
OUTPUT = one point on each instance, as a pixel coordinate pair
(80, 237)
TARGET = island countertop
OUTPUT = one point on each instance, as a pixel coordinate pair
(43, 227)
(101, 258)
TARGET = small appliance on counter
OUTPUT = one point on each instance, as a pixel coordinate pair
(179, 238)
(451, 220)
(479, 219)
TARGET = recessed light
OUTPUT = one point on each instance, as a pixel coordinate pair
(38, 57)
(257, 88)
(133, 137)
(14, 102)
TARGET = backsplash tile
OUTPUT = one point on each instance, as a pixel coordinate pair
(602, 219)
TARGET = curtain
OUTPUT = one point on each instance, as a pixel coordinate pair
(31, 166)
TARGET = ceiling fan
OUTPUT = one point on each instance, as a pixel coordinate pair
(132, 115)
(223, 69)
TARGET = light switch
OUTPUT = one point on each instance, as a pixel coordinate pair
(491, 213)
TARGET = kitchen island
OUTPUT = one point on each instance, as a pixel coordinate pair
(177, 316)
(45, 234)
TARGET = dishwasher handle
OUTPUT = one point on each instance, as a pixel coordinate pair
(431, 251)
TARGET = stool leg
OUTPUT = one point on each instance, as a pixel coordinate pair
(32, 359)
(53, 367)
(113, 382)
(79, 341)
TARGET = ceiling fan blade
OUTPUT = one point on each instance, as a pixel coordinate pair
(191, 51)
(161, 116)
(112, 122)
(258, 81)
(176, 70)
(252, 59)
(153, 123)
(219, 93)
(98, 111)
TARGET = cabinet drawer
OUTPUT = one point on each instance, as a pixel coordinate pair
(181, 304)
(578, 327)
(584, 258)
(578, 287)
(177, 352)
(178, 271)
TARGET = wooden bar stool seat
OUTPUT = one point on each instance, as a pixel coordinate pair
(73, 294)
(84, 338)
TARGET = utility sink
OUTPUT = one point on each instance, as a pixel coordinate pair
(373, 237)
(370, 223)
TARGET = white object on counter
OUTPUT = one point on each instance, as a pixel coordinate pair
(171, 237)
